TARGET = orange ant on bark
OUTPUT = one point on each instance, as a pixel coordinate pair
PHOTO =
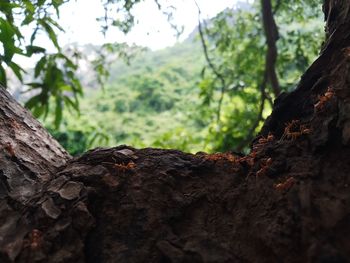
(124, 168)
(35, 239)
(294, 130)
(221, 156)
(322, 100)
(249, 159)
(265, 165)
(262, 141)
(14, 124)
(285, 185)
(256, 148)
(9, 148)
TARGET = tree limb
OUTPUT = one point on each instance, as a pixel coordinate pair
(271, 33)
(263, 98)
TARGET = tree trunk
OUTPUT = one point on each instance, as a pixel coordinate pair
(287, 201)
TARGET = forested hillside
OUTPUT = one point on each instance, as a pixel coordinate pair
(154, 101)
(182, 98)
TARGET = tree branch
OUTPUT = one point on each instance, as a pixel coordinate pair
(263, 98)
(271, 33)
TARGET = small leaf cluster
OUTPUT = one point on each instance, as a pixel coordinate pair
(54, 73)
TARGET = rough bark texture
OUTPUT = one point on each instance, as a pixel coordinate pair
(287, 201)
(29, 157)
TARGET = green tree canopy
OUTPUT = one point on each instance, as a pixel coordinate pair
(236, 78)
(253, 52)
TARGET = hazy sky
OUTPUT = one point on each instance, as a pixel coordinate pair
(79, 20)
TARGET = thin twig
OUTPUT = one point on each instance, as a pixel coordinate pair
(211, 64)
(263, 97)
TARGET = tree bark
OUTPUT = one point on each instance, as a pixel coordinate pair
(286, 201)
(29, 158)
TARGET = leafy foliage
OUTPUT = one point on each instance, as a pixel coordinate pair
(55, 77)
(238, 49)
(54, 73)
(155, 101)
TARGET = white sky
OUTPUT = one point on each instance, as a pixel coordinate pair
(79, 19)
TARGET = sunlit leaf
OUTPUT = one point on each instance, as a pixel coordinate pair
(51, 33)
(39, 66)
(33, 102)
(34, 50)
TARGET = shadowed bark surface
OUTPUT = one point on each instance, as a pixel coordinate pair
(288, 200)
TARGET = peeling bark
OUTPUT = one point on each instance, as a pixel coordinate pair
(287, 201)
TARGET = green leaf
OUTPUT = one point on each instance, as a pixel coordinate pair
(7, 34)
(41, 2)
(28, 19)
(32, 102)
(66, 87)
(56, 4)
(39, 66)
(68, 63)
(3, 79)
(54, 23)
(58, 112)
(34, 50)
(29, 6)
(71, 103)
(6, 7)
(32, 86)
(17, 70)
(39, 110)
(77, 86)
(51, 33)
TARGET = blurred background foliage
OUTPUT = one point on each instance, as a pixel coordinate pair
(171, 98)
